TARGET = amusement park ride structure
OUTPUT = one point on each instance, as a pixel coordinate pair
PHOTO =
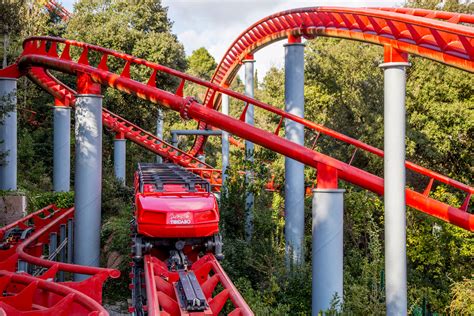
(42, 246)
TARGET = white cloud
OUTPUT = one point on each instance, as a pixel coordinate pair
(214, 24)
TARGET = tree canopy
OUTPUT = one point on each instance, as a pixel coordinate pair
(139, 28)
(343, 91)
(202, 64)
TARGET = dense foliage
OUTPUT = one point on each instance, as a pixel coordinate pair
(343, 90)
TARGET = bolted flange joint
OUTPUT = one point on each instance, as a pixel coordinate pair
(185, 107)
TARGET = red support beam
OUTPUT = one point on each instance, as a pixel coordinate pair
(327, 177)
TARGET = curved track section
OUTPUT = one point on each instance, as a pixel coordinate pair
(23, 246)
(451, 17)
(27, 295)
(435, 35)
(35, 55)
(411, 31)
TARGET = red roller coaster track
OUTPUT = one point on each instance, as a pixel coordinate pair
(130, 131)
(25, 292)
(35, 55)
(430, 34)
(55, 7)
(436, 35)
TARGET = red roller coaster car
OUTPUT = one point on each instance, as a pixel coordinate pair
(176, 222)
(171, 202)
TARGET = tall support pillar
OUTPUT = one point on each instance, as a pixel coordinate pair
(327, 247)
(8, 134)
(61, 147)
(225, 139)
(294, 170)
(394, 181)
(70, 240)
(62, 253)
(120, 157)
(174, 140)
(88, 174)
(249, 146)
(159, 130)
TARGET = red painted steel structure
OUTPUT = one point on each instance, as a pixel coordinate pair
(117, 124)
(161, 296)
(55, 7)
(452, 17)
(435, 35)
(408, 31)
(26, 293)
(35, 54)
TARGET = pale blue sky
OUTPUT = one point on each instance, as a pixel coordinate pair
(215, 24)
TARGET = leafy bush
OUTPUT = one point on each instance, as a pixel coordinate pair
(463, 298)
(37, 201)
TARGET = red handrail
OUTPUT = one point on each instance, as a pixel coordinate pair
(68, 267)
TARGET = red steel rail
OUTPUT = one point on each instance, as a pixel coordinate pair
(53, 225)
(27, 293)
(451, 17)
(435, 35)
(55, 7)
(418, 33)
(35, 54)
(132, 132)
(23, 294)
(161, 296)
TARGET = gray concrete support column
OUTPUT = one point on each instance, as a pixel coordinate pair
(70, 241)
(294, 170)
(159, 130)
(61, 148)
(88, 178)
(120, 157)
(8, 134)
(394, 187)
(327, 248)
(249, 146)
(62, 253)
(225, 139)
(22, 266)
(53, 245)
(174, 140)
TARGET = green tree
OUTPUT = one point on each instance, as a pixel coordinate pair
(463, 298)
(10, 23)
(446, 5)
(139, 28)
(201, 64)
(344, 91)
